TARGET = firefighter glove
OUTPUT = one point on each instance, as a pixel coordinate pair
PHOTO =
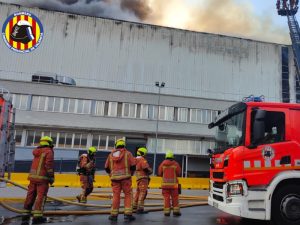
(51, 180)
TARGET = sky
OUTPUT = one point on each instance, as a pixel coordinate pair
(253, 19)
(268, 6)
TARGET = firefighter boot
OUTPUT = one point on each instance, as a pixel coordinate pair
(81, 198)
(78, 198)
(176, 213)
(141, 211)
(113, 218)
(39, 220)
(25, 220)
(128, 218)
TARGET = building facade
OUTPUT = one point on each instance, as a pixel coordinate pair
(115, 65)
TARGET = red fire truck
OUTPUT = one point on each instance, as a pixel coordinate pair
(255, 167)
(7, 143)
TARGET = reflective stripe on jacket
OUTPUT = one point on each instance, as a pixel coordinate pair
(119, 162)
(87, 165)
(169, 170)
(42, 167)
(143, 169)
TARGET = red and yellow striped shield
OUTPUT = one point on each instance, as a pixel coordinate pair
(22, 32)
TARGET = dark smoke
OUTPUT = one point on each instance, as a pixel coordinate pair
(140, 8)
(132, 10)
(229, 17)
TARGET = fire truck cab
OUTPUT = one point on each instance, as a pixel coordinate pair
(255, 167)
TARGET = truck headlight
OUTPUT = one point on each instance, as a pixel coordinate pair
(235, 189)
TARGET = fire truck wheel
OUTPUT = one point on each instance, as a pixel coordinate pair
(286, 205)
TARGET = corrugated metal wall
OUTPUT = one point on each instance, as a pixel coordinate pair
(120, 55)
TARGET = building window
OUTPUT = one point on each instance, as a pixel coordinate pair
(38, 103)
(183, 147)
(112, 109)
(182, 114)
(214, 115)
(52, 134)
(54, 104)
(65, 140)
(195, 115)
(129, 110)
(69, 105)
(111, 142)
(205, 116)
(72, 105)
(60, 139)
(192, 147)
(170, 144)
(169, 113)
(80, 141)
(99, 108)
(104, 141)
(165, 112)
(18, 137)
(144, 112)
(205, 145)
(152, 112)
(96, 141)
(83, 106)
(33, 138)
(201, 116)
(20, 101)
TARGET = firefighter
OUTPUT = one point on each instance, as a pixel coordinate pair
(169, 170)
(292, 4)
(86, 170)
(40, 176)
(278, 4)
(143, 171)
(284, 4)
(120, 165)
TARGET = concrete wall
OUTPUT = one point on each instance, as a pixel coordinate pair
(127, 56)
(90, 122)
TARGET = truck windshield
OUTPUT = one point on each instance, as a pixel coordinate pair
(230, 133)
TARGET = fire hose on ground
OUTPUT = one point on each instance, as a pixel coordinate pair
(203, 202)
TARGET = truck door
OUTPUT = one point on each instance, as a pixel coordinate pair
(268, 151)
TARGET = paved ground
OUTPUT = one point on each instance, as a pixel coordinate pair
(204, 215)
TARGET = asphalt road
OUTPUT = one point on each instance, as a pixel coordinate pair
(203, 215)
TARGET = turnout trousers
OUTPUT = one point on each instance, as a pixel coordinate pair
(36, 196)
(141, 193)
(117, 187)
(171, 195)
(87, 187)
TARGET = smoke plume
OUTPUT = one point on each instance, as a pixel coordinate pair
(228, 17)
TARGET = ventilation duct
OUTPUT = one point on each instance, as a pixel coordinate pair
(49, 78)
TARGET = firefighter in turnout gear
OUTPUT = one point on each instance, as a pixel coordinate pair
(169, 170)
(143, 171)
(86, 169)
(120, 165)
(40, 176)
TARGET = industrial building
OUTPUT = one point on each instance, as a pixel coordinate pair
(115, 65)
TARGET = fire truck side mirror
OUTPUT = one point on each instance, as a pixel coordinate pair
(258, 127)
